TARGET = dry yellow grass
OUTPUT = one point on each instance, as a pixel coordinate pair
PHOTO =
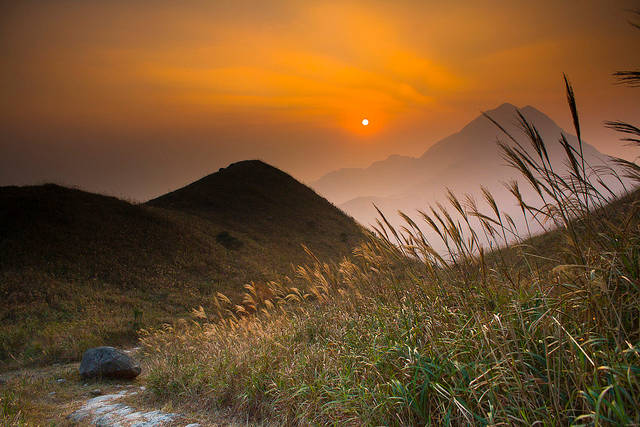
(79, 270)
(541, 330)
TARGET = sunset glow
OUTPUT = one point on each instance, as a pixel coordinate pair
(218, 82)
(320, 212)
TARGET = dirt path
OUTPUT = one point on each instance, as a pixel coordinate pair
(110, 410)
(56, 395)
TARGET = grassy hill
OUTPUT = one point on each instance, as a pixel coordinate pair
(505, 328)
(80, 269)
(266, 204)
(531, 332)
(518, 330)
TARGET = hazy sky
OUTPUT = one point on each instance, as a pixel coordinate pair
(136, 98)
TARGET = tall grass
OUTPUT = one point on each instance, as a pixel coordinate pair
(506, 327)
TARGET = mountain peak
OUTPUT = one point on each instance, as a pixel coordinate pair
(506, 106)
(241, 180)
(505, 111)
(506, 115)
(253, 192)
(249, 164)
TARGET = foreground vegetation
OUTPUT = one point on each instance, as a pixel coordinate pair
(506, 328)
(79, 270)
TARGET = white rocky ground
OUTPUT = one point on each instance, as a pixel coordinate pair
(108, 411)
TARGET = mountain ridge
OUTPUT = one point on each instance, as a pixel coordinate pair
(461, 162)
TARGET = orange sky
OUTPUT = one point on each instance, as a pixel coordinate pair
(137, 98)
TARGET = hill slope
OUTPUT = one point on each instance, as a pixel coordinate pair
(80, 269)
(418, 341)
(256, 198)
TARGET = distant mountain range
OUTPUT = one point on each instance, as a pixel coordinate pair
(461, 162)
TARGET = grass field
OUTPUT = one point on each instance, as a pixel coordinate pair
(541, 330)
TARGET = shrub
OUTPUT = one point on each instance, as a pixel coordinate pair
(228, 241)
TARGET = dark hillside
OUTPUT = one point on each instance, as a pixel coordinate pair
(252, 189)
(255, 198)
(80, 269)
(76, 235)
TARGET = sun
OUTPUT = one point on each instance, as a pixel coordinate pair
(365, 122)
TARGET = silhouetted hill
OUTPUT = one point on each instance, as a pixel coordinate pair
(80, 269)
(77, 235)
(268, 205)
(252, 193)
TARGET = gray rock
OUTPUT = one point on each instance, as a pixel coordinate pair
(108, 362)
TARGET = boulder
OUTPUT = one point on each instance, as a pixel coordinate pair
(108, 362)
